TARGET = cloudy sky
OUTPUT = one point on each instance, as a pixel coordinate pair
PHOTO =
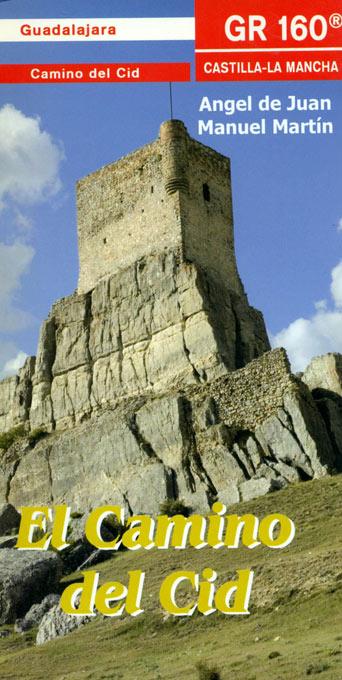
(286, 190)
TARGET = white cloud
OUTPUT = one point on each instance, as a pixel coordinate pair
(15, 260)
(22, 221)
(305, 338)
(336, 284)
(10, 358)
(321, 305)
(29, 174)
(12, 366)
(29, 159)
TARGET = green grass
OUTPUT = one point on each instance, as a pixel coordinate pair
(11, 436)
(172, 507)
(36, 435)
(294, 630)
(18, 433)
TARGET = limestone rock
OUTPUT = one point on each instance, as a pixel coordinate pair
(56, 623)
(329, 405)
(15, 397)
(8, 541)
(297, 437)
(256, 487)
(35, 614)
(325, 372)
(157, 324)
(25, 578)
(138, 386)
(310, 431)
(229, 495)
(205, 442)
(155, 379)
(9, 519)
(7, 393)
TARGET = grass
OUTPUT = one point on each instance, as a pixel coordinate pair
(172, 507)
(294, 630)
(11, 436)
(36, 435)
(18, 433)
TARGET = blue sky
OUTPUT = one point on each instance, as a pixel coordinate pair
(286, 190)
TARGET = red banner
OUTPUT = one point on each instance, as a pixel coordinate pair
(95, 73)
(268, 40)
(270, 66)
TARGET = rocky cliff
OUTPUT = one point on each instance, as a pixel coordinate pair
(159, 382)
(156, 325)
(237, 436)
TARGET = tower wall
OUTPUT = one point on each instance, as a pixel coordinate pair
(124, 213)
(207, 217)
(172, 194)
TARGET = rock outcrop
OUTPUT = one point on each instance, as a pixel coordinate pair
(142, 331)
(25, 578)
(56, 623)
(323, 376)
(155, 379)
(246, 433)
(36, 613)
(325, 373)
(9, 519)
(16, 397)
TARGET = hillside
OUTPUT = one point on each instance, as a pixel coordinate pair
(294, 629)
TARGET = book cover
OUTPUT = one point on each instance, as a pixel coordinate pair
(170, 339)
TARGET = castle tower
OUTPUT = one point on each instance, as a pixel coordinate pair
(159, 304)
(152, 376)
(172, 194)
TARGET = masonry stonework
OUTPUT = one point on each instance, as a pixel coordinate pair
(157, 373)
(172, 194)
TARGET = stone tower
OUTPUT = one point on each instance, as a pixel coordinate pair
(159, 304)
(135, 374)
(172, 194)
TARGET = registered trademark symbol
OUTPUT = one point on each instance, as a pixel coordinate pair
(335, 20)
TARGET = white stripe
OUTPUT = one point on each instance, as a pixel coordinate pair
(169, 28)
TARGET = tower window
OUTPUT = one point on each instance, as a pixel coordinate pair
(104, 240)
(206, 192)
(152, 190)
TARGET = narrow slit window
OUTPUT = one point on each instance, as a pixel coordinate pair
(206, 192)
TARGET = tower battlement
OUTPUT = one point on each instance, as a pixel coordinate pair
(173, 194)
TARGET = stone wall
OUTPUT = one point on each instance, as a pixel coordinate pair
(207, 223)
(124, 214)
(250, 395)
(172, 194)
